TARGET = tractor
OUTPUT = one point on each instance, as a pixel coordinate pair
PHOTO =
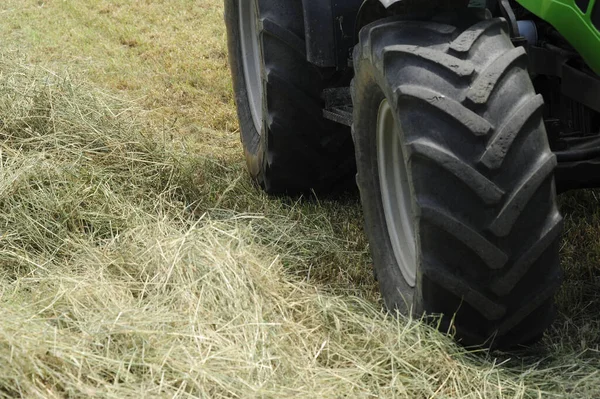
(459, 121)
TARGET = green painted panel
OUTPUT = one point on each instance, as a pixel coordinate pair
(574, 24)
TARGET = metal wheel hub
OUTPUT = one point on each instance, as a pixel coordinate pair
(396, 193)
(251, 59)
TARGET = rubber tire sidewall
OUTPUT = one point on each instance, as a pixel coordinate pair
(397, 294)
(252, 139)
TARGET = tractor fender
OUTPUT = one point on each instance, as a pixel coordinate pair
(329, 26)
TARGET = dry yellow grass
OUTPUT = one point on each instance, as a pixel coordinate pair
(169, 55)
(137, 260)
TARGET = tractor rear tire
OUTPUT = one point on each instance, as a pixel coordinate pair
(289, 147)
(481, 199)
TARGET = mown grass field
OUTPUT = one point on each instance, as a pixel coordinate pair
(138, 260)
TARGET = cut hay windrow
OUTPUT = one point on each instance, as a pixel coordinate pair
(132, 266)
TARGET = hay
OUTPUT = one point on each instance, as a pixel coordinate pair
(129, 269)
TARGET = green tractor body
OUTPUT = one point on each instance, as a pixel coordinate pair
(577, 20)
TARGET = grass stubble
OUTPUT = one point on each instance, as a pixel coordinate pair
(137, 260)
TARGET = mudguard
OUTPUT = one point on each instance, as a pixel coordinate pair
(329, 29)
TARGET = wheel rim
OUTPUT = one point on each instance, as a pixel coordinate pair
(251, 59)
(396, 193)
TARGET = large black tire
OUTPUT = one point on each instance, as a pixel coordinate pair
(480, 172)
(293, 149)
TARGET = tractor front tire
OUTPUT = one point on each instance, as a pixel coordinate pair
(456, 178)
(289, 147)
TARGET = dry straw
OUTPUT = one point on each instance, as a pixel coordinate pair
(120, 278)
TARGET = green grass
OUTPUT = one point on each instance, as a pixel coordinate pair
(138, 260)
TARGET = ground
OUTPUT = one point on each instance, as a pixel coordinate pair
(138, 260)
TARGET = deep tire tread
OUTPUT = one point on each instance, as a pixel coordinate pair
(518, 200)
(367, 37)
(447, 62)
(295, 150)
(286, 36)
(461, 289)
(501, 142)
(489, 192)
(505, 284)
(477, 125)
(294, 94)
(466, 40)
(502, 168)
(488, 80)
(493, 256)
(550, 286)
